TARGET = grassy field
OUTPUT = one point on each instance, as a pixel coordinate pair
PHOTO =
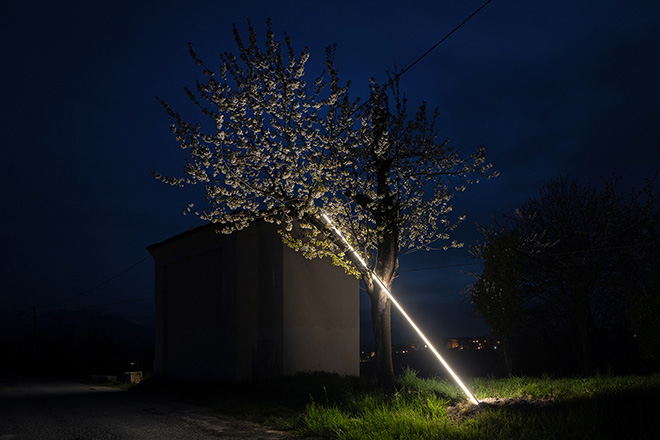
(333, 407)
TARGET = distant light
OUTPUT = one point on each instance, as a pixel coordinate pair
(405, 315)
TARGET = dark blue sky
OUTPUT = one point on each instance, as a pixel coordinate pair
(549, 88)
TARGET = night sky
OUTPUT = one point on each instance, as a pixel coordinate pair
(549, 88)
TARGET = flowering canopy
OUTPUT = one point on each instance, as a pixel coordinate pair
(285, 150)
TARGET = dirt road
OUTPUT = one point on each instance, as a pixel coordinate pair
(58, 410)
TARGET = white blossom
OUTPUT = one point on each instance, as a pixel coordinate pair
(286, 149)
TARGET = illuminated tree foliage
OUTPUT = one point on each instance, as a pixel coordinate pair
(576, 264)
(283, 149)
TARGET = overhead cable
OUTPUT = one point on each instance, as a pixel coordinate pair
(96, 286)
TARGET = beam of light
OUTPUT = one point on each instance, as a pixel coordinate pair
(405, 315)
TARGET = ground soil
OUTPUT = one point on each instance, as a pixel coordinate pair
(462, 411)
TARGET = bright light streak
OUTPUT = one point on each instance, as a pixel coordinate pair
(405, 315)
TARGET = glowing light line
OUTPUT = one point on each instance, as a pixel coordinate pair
(405, 315)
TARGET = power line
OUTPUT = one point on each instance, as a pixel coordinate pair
(440, 267)
(97, 286)
(443, 39)
(17, 315)
(606, 248)
(557, 254)
(26, 313)
(118, 302)
(399, 74)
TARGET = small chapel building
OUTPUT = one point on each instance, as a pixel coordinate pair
(245, 306)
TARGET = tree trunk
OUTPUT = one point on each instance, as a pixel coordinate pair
(387, 263)
(381, 319)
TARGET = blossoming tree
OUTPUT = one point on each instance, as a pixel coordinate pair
(287, 150)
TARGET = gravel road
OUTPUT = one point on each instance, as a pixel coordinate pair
(59, 410)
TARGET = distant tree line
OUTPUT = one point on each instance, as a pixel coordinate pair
(74, 343)
(571, 281)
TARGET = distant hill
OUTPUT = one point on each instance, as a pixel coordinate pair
(75, 342)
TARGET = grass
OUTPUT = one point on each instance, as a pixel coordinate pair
(331, 407)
